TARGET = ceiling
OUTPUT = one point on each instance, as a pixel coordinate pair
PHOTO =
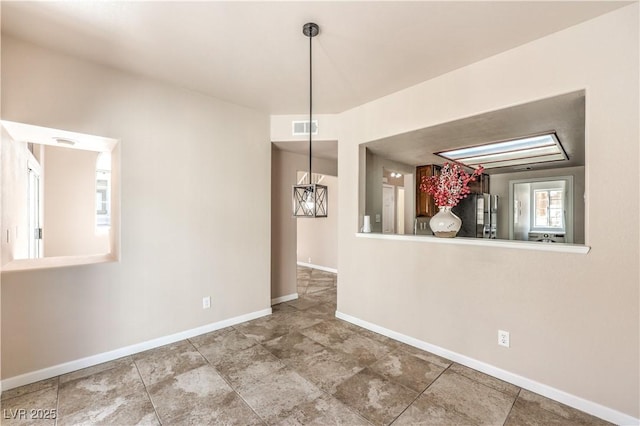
(254, 53)
(564, 114)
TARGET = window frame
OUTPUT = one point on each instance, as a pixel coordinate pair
(534, 208)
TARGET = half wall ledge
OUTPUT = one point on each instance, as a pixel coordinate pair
(482, 242)
(57, 262)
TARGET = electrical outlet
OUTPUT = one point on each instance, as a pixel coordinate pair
(378, 218)
(503, 338)
(206, 302)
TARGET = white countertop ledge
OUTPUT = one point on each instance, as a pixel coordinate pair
(56, 262)
(482, 242)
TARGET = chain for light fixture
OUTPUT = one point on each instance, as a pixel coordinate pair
(310, 200)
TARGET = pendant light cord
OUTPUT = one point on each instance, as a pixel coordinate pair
(310, 105)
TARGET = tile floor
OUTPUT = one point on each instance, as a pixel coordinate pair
(300, 365)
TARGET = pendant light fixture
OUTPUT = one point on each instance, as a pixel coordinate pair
(310, 200)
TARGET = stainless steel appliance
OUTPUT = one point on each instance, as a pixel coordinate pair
(546, 237)
(479, 214)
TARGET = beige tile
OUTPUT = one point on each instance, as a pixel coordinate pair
(407, 370)
(207, 338)
(264, 329)
(85, 372)
(376, 398)
(303, 302)
(325, 296)
(423, 413)
(227, 409)
(225, 345)
(456, 399)
(193, 391)
(322, 411)
(486, 380)
(326, 369)
(391, 343)
(323, 311)
(314, 288)
(133, 409)
(292, 345)
(427, 356)
(248, 365)
(33, 387)
(92, 391)
(31, 408)
(275, 397)
(328, 332)
(299, 320)
(171, 348)
(162, 363)
(282, 308)
(365, 350)
(535, 404)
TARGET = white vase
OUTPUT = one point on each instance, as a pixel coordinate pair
(445, 224)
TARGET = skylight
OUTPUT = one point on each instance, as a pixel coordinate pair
(516, 152)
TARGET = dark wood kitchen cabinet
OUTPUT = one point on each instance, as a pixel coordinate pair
(425, 205)
(480, 185)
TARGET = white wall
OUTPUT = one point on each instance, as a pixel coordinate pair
(186, 228)
(317, 239)
(70, 204)
(575, 329)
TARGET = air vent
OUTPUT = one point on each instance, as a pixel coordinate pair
(301, 128)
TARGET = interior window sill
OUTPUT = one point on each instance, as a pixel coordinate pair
(482, 242)
(56, 262)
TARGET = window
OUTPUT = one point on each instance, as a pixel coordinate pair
(548, 208)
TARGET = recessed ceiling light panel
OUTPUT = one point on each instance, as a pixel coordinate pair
(532, 149)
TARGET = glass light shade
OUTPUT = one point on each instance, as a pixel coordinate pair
(310, 200)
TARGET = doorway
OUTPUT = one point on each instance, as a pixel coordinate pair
(34, 212)
(388, 209)
(400, 210)
(317, 239)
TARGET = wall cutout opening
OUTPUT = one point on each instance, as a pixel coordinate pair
(60, 197)
(560, 212)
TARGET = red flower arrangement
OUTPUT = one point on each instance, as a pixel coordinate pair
(450, 186)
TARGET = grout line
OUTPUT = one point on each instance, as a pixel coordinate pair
(233, 388)
(155, 410)
(420, 393)
(512, 405)
(57, 401)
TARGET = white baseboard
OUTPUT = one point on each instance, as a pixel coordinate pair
(67, 367)
(318, 267)
(285, 298)
(581, 404)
